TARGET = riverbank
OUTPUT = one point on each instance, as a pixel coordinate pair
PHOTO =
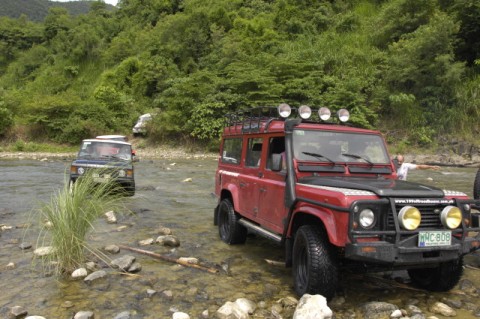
(167, 152)
(142, 153)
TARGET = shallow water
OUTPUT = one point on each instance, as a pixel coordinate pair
(163, 198)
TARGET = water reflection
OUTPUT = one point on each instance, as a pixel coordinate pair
(163, 198)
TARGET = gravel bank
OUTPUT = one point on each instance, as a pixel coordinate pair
(143, 153)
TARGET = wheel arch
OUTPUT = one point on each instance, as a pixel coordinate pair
(311, 216)
(226, 193)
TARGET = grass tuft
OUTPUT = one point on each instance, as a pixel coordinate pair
(69, 217)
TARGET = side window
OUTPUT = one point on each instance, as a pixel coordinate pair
(276, 146)
(232, 151)
(254, 152)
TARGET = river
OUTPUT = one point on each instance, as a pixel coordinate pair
(176, 194)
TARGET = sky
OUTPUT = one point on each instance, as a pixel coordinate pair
(112, 2)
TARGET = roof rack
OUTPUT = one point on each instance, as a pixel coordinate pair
(251, 120)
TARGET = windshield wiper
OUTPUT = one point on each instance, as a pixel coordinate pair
(358, 157)
(319, 156)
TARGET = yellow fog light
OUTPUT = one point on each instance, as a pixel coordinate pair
(409, 218)
(451, 217)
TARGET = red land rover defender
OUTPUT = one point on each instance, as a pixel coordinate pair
(328, 192)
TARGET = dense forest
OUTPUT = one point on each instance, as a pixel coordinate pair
(409, 68)
(37, 10)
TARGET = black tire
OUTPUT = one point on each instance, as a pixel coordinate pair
(442, 278)
(476, 185)
(315, 267)
(229, 229)
(71, 184)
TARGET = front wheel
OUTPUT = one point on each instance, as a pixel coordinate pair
(229, 229)
(441, 278)
(315, 267)
(476, 186)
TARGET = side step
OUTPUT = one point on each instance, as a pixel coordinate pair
(259, 230)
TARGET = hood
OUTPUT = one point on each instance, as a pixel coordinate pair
(380, 186)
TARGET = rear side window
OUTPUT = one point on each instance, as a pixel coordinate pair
(254, 152)
(232, 151)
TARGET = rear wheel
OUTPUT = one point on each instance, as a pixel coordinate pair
(476, 186)
(315, 268)
(229, 229)
(441, 278)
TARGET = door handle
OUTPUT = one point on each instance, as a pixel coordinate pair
(242, 184)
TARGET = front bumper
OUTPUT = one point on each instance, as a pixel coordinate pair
(407, 253)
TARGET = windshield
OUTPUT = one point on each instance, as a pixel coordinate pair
(102, 150)
(327, 146)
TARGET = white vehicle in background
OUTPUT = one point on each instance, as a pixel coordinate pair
(140, 127)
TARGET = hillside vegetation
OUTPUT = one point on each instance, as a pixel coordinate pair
(407, 67)
(37, 10)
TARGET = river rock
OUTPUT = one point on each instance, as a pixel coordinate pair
(135, 267)
(79, 273)
(288, 302)
(231, 310)
(10, 266)
(167, 294)
(168, 240)
(378, 310)
(151, 293)
(44, 251)
(188, 260)
(246, 305)
(188, 180)
(180, 315)
(112, 249)
(24, 246)
(457, 304)
(111, 218)
(163, 230)
(312, 307)
(95, 275)
(18, 311)
(34, 317)
(146, 242)
(123, 262)
(123, 315)
(84, 315)
(440, 308)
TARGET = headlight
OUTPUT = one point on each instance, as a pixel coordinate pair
(80, 170)
(305, 112)
(284, 110)
(121, 173)
(366, 218)
(451, 217)
(343, 115)
(324, 113)
(409, 218)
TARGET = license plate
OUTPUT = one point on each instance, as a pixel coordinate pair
(99, 179)
(434, 238)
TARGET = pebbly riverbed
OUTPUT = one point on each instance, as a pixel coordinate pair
(174, 199)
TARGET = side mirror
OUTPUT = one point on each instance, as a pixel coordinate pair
(276, 162)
